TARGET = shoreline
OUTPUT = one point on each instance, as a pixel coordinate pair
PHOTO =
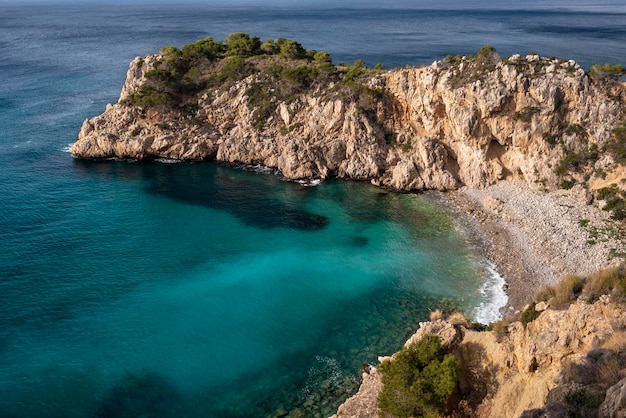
(534, 238)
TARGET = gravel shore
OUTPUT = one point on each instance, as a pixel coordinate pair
(535, 237)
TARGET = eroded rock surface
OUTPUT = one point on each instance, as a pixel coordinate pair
(530, 371)
(437, 127)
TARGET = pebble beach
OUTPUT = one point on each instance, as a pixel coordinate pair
(535, 237)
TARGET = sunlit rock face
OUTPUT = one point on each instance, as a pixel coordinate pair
(461, 121)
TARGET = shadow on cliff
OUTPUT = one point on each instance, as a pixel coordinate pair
(248, 196)
(478, 379)
(582, 385)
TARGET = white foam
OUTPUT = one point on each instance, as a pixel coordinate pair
(493, 297)
(67, 148)
(167, 160)
(309, 183)
(22, 144)
(258, 168)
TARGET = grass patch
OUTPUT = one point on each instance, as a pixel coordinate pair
(610, 281)
(616, 343)
(567, 290)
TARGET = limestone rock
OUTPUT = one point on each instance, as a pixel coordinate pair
(449, 334)
(614, 405)
(529, 371)
(431, 128)
(363, 403)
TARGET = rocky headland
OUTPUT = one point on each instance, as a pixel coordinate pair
(529, 150)
(462, 121)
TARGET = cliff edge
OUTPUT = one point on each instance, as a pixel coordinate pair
(461, 121)
(559, 362)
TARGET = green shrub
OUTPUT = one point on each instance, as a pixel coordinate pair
(607, 71)
(581, 403)
(270, 47)
(292, 49)
(391, 138)
(147, 96)
(529, 315)
(355, 70)
(551, 138)
(574, 128)
(235, 69)
(260, 102)
(159, 74)
(420, 381)
(242, 45)
(567, 184)
(570, 162)
(322, 57)
(487, 55)
(615, 201)
(205, 48)
(486, 50)
(617, 144)
(299, 76)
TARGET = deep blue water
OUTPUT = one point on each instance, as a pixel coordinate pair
(132, 289)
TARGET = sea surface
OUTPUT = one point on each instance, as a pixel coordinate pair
(199, 290)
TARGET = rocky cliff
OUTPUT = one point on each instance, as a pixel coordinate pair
(566, 362)
(461, 121)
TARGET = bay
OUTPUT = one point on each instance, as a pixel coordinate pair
(204, 290)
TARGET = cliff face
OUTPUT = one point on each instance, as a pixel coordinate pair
(564, 363)
(463, 121)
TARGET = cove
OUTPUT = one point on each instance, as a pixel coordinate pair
(204, 290)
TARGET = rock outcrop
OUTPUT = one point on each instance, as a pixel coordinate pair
(463, 121)
(564, 362)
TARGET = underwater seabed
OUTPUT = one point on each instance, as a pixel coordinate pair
(182, 289)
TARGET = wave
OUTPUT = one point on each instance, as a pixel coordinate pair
(493, 296)
(21, 144)
(309, 182)
(261, 169)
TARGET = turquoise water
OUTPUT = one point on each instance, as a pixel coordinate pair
(199, 290)
(209, 283)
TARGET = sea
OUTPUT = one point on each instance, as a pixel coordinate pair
(154, 289)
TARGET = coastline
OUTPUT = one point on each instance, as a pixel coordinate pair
(534, 238)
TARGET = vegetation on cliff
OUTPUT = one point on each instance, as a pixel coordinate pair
(283, 69)
(420, 381)
(563, 355)
(464, 120)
